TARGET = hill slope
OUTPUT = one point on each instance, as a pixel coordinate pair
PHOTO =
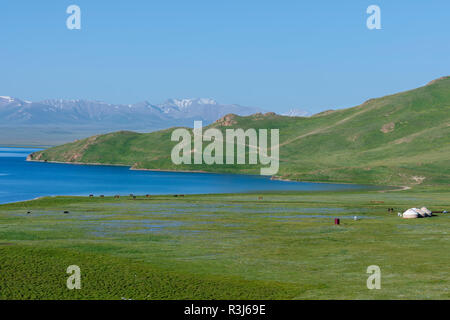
(398, 139)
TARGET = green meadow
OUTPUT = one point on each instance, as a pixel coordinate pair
(231, 246)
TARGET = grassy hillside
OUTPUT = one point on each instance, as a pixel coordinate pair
(398, 139)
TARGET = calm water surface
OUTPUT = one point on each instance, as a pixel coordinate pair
(22, 180)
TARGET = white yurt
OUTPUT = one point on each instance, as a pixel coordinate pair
(427, 211)
(421, 213)
(410, 214)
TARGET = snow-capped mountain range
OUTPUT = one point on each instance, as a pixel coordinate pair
(142, 115)
(51, 122)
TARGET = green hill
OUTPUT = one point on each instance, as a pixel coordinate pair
(401, 139)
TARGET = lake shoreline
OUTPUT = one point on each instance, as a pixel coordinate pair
(22, 181)
(78, 182)
(274, 178)
(78, 163)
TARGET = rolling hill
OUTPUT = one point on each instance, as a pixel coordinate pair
(401, 139)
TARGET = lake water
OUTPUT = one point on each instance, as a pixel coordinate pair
(22, 180)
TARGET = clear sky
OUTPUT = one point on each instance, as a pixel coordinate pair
(312, 55)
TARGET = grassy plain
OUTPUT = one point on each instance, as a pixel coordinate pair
(233, 246)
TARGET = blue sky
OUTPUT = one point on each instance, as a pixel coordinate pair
(312, 55)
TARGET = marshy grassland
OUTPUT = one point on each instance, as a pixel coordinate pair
(230, 246)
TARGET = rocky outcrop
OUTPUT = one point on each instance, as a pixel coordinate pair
(35, 156)
(227, 120)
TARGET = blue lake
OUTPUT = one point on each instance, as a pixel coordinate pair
(22, 180)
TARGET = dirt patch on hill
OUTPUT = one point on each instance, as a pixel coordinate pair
(73, 157)
(388, 127)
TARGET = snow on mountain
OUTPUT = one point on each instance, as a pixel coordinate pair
(98, 113)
